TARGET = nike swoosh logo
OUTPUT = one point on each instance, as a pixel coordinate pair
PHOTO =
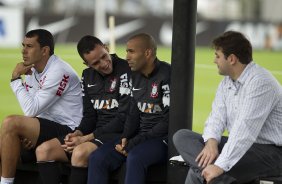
(91, 85)
(136, 89)
(54, 27)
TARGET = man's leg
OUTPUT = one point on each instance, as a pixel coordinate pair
(194, 177)
(103, 161)
(79, 162)
(14, 127)
(47, 155)
(260, 160)
(142, 156)
(189, 144)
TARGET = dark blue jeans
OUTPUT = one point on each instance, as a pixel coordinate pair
(105, 160)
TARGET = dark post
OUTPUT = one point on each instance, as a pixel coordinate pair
(182, 76)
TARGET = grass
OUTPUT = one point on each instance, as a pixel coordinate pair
(206, 77)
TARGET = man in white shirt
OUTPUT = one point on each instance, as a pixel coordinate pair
(248, 104)
(50, 97)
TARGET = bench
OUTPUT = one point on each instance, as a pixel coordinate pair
(28, 174)
(157, 174)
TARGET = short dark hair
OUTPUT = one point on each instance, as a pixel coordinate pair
(86, 44)
(44, 38)
(148, 41)
(232, 42)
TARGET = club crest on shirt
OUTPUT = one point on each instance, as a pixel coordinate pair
(154, 92)
(113, 85)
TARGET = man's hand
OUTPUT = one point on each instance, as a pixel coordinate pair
(21, 69)
(71, 140)
(120, 147)
(74, 134)
(71, 143)
(74, 139)
(208, 154)
(211, 172)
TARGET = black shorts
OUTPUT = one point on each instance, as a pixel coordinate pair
(48, 130)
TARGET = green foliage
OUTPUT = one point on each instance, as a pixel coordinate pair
(206, 76)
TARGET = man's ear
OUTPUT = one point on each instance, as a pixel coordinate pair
(232, 58)
(106, 47)
(148, 52)
(45, 50)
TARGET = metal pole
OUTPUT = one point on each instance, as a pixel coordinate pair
(182, 75)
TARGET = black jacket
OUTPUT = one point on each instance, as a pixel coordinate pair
(149, 110)
(106, 99)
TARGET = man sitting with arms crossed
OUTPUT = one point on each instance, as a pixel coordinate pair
(248, 104)
(50, 97)
(105, 104)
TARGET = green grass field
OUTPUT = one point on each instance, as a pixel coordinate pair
(206, 77)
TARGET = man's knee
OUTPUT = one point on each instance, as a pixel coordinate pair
(180, 136)
(10, 124)
(79, 156)
(42, 152)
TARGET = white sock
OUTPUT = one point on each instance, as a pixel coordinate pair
(7, 180)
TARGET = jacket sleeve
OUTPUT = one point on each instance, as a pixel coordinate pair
(88, 122)
(117, 124)
(34, 104)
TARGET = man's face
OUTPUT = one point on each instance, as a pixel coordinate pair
(100, 60)
(135, 55)
(32, 53)
(221, 62)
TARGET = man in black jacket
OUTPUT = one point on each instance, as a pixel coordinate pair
(106, 99)
(143, 142)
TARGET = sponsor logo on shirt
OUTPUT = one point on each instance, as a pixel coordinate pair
(149, 107)
(124, 80)
(166, 95)
(105, 104)
(124, 88)
(63, 85)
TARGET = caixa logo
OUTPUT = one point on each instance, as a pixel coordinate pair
(2, 28)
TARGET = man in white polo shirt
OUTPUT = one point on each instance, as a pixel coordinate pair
(50, 97)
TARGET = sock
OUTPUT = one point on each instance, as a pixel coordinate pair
(49, 172)
(7, 180)
(78, 175)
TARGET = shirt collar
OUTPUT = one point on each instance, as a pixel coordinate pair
(244, 75)
(51, 59)
(156, 68)
(242, 78)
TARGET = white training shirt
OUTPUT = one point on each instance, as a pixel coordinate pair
(55, 94)
(250, 108)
